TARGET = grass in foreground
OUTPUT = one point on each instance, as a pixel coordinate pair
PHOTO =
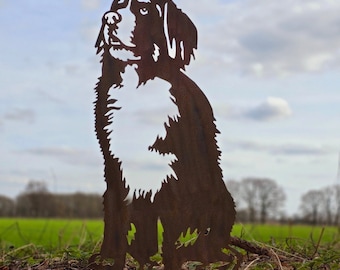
(39, 242)
(52, 234)
(68, 244)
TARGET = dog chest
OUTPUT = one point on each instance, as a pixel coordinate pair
(135, 127)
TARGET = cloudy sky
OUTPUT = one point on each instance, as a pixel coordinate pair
(269, 68)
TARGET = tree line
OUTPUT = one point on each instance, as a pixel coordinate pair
(37, 201)
(322, 206)
(258, 200)
(262, 200)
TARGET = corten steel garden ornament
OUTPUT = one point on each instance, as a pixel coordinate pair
(193, 199)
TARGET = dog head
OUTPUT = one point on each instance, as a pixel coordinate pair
(154, 34)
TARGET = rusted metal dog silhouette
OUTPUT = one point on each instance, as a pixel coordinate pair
(194, 197)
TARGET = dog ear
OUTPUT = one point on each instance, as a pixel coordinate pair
(180, 34)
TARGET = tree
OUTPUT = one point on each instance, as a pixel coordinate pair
(327, 204)
(247, 192)
(311, 206)
(6, 206)
(36, 200)
(322, 206)
(261, 197)
(79, 205)
(270, 198)
(337, 204)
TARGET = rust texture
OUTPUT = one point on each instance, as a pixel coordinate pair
(194, 197)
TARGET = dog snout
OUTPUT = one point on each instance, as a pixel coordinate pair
(112, 17)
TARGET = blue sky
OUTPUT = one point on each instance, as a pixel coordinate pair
(270, 70)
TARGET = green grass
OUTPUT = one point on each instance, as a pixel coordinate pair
(298, 246)
(58, 233)
(33, 240)
(55, 243)
(280, 233)
(49, 233)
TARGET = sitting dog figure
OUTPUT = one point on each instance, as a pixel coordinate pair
(158, 45)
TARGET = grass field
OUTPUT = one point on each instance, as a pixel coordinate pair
(80, 238)
(59, 233)
(49, 233)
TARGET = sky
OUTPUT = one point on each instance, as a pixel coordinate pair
(269, 68)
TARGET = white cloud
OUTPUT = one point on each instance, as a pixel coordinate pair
(272, 108)
(90, 4)
(318, 61)
(281, 148)
(266, 38)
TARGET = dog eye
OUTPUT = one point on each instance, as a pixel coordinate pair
(143, 11)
